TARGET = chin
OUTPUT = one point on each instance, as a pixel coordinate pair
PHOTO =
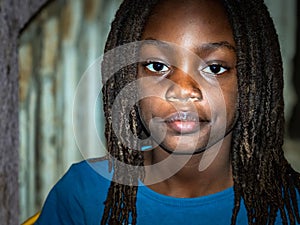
(186, 147)
(192, 145)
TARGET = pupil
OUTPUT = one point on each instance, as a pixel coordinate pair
(158, 66)
(215, 68)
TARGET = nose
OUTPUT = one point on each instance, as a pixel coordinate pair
(183, 88)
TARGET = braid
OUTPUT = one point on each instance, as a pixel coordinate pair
(262, 176)
(120, 205)
(263, 180)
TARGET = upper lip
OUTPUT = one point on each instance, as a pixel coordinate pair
(187, 116)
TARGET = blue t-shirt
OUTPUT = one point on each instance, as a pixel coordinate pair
(78, 198)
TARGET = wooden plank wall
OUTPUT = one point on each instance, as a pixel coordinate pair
(56, 48)
(14, 14)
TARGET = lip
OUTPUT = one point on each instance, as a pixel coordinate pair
(185, 122)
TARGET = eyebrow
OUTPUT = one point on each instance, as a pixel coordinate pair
(158, 43)
(203, 48)
(216, 45)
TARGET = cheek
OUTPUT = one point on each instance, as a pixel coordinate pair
(149, 108)
(231, 100)
(224, 105)
(144, 109)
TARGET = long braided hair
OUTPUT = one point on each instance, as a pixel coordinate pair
(263, 179)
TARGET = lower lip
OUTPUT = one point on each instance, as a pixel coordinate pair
(185, 127)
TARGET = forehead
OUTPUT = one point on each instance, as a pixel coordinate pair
(188, 5)
(177, 17)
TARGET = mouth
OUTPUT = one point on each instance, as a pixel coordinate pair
(185, 122)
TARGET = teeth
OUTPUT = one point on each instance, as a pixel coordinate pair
(182, 116)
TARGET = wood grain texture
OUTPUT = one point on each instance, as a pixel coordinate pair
(14, 14)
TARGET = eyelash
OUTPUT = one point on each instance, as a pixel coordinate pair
(222, 69)
(149, 65)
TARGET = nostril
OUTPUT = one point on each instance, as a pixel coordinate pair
(196, 95)
(187, 93)
(195, 99)
(182, 87)
(172, 99)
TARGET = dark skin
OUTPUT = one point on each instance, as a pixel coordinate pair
(190, 104)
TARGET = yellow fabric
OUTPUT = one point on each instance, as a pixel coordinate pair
(31, 220)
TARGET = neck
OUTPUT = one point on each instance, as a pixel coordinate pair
(190, 175)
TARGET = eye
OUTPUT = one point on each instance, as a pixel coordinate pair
(215, 69)
(157, 67)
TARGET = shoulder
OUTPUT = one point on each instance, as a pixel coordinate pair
(82, 182)
(85, 177)
(78, 195)
(87, 168)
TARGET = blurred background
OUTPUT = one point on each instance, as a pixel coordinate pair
(57, 48)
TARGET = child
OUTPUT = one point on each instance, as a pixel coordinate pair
(209, 84)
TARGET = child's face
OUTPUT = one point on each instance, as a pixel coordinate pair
(188, 103)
